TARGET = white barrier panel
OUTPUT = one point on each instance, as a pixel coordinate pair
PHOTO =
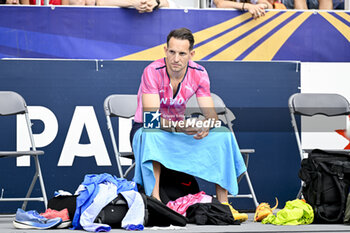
(325, 78)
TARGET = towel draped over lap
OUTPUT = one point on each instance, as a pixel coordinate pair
(215, 158)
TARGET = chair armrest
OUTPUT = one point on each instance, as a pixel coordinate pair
(129, 155)
(247, 151)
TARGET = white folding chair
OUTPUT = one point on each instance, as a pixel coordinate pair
(311, 104)
(123, 106)
(227, 117)
(11, 103)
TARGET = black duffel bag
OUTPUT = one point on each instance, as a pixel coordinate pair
(326, 179)
(156, 213)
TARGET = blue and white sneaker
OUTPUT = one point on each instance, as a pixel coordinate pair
(33, 220)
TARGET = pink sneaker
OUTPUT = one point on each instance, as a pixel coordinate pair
(63, 214)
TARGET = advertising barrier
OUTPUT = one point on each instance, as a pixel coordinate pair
(65, 100)
(220, 35)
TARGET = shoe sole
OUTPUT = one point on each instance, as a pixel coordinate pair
(64, 224)
(240, 217)
(29, 225)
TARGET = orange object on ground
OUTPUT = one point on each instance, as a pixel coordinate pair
(263, 210)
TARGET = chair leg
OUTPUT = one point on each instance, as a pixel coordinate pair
(253, 196)
(37, 175)
(42, 185)
(300, 191)
(24, 205)
(251, 189)
(129, 170)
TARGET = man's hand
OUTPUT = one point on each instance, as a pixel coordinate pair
(257, 10)
(140, 5)
(198, 133)
(202, 133)
(187, 130)
(147, 6)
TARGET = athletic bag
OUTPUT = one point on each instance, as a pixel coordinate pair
(156, 213)
(326, 184)
(113, 213)
(174, 184)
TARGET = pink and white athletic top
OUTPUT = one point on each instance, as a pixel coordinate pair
(155, 80)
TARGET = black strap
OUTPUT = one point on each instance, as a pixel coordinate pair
(342, 198)
(144, 198)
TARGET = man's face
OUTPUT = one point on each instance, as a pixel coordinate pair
(178, 54)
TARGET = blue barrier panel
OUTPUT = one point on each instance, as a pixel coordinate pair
(70, 94)
(221, 35)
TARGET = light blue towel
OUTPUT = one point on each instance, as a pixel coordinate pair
(215, 158)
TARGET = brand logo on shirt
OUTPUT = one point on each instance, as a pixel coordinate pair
(176, 101)
(151, 120)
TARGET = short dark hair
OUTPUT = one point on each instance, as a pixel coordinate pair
(182, 34)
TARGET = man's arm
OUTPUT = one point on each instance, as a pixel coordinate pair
(207, 107)
(151, 4)
(257, 10)
(267, 4)
(150, 102)
(141, 6)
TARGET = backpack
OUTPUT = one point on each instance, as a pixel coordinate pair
(326, 179)
(113, 213)
(174, 184)
(156, 213)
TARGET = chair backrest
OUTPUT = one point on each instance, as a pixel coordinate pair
(11, 103)
(230, 117)
(310, 104)
(192, 106)
(224, 114)
(120, 105)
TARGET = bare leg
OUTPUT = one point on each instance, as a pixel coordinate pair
(300, 4)
(156, 172)
(325, 5)
(221, 193)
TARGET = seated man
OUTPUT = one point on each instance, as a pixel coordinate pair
(166, 86)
